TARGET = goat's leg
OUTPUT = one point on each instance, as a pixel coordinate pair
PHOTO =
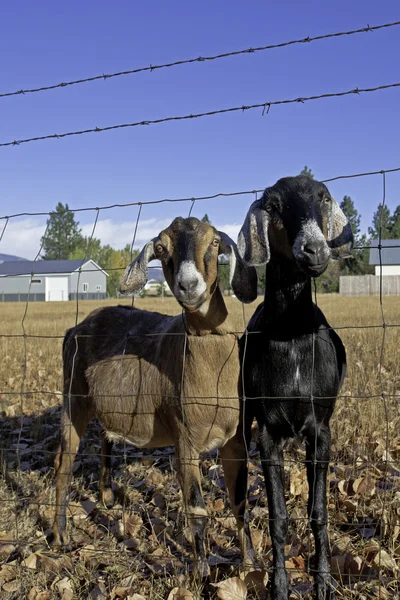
(74, 421)
(271, 450)
(317, 456)
(106, 493)
(234, 462)
(193, 503)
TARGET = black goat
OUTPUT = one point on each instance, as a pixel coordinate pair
(294, 368)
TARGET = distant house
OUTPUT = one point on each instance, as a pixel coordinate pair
(155, 281)
(386, 261)
(389, 257)
(51, 280)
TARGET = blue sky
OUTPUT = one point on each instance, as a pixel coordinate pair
(45, 42)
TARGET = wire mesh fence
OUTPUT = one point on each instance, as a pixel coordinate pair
(146, 532)
(142, 539)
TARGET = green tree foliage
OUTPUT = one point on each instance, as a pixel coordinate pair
(308, 172)
(358, 263)
(381, 224)
(347, 206)
(395, 223)
(205, 219)
(63, 234)
(87, 248)
(114, 263)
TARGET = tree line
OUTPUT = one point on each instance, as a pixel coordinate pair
(64, 240)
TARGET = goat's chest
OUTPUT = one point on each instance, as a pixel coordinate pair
(283, 375)
(210, 400)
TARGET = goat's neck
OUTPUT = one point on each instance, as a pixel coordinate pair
(212, 318)
(287, 293)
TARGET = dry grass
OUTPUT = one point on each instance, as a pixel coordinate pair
(144, 538)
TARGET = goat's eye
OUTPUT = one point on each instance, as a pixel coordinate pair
(327, 200)
(159, 248)
(215, 242)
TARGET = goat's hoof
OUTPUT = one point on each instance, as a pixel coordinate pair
(107, 497)
(59, 540)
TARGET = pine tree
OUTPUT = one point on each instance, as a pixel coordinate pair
(306, 171)
(205, 219)
(63, 234)
(395, 224)
(381, 224)
(358, 264)
(347, 206)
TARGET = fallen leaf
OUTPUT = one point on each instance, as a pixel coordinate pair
(55, 563)
(383, 559)
(132, 525)
(30, 561)
(6, 550)
(64, 587)
(256, 581)
(11, 586)
(231, 589)
(44, 596)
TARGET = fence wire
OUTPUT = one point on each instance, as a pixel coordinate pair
(265, 106)
(199, 59)
(148, 503)
(146, 528)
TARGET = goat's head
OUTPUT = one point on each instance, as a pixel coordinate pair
(297, 218)
(188, 250)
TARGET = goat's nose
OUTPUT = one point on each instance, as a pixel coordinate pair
(187, 285)
(312, 248)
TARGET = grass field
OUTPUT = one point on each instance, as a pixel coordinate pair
(140, 546)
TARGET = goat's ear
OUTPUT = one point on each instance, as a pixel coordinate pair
(340, 236)
(137, 273)
(242, 277)
(253, 244)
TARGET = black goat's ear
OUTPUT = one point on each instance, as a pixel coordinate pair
(137, 273)
(243, 278)
(253, 244)
(340, 236)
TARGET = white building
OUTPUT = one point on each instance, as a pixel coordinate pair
(387, 259)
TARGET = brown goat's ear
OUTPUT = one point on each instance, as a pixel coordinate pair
(340, 236)
(242, 278)
(137, 273)
(253, 244)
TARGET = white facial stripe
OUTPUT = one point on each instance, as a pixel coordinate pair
(189, 274)
(310, 232)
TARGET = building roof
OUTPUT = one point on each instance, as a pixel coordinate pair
(389, 255)
(44, 267)
(10, 257)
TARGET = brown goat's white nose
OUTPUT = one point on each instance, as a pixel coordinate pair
(189, 280)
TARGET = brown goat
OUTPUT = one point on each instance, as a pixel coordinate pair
(155, 380)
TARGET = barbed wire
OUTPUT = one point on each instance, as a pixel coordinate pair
(243, 108)
(199, 59)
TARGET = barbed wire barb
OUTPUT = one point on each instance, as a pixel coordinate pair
(199, 59)
(221, 111)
